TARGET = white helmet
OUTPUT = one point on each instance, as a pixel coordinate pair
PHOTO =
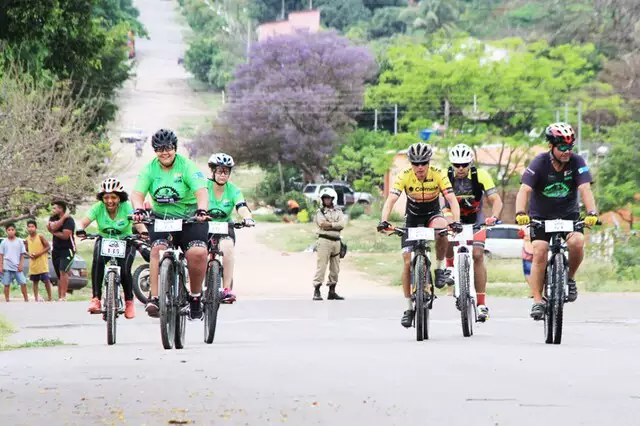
(111, 185)
(328, 192)
(221, 159)
(461, 154)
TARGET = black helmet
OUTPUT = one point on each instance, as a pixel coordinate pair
(164, 137)
(419, 153)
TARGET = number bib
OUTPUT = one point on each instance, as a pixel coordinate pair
(420, 233)
(219, 228)
(113, 248)
(173, 225)
(558, 225)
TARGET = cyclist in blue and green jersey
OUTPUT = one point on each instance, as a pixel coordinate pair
(178, 190)
(224, 196)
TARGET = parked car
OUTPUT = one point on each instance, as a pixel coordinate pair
(78, 274)
(503, 241)
(132, 136)
(346, 195)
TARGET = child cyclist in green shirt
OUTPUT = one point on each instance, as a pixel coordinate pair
(223, 198)
(110, 214)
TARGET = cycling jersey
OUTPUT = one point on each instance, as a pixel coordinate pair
(422, 196)
(116, 228)
(555, 192)
(172, 191)
(224, 206)
(470, 207)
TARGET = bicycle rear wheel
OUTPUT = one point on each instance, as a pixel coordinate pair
(111, 307)
(166, 289)
(465, 303)
(212, 300)
(141, 283)
(422, 310)
(548, 313)
(559, 272)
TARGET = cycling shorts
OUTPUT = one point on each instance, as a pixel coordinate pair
(192, 235)
(538, 234)
(414, 221)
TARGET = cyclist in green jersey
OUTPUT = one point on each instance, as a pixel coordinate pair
(178, 190)
(111, 215)
(223, 198)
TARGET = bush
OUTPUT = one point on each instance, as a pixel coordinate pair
(303, 216)
(626, 257)
(355, 211)
(267, 218)
(269, 189)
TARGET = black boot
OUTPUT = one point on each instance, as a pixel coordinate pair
(316, 293)
(332, 293)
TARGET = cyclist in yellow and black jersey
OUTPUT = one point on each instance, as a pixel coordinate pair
(423, 185)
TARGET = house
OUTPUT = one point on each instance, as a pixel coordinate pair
(302, 20)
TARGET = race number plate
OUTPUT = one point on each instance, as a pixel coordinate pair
(219, 228)
(558, 225)
(113, 248)
(173, 225)
(466, 234)
(415, 234)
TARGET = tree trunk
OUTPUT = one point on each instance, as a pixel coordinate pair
(281, 177)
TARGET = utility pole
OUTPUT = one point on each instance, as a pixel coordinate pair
(557, 116)
(395, 120)
(375, 120)
(248, 38)
(566, 112)
(283, 10)
(310, 4)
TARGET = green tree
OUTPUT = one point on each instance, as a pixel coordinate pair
(342, 14)
(617, 177)
(363, 159)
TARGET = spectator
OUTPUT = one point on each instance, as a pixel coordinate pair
(38, 248)
(62, 227)
(293, 207)
(527, 252)
(11, 262)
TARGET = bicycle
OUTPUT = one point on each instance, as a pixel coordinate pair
(173, 284)
(112, 306)
(212, 293)
(463, 277)
(422, 286)
(556, 286)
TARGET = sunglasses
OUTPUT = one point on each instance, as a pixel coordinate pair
(423, 163)
(564, 148)
(164, 149)
(223, 171)
(460, 165)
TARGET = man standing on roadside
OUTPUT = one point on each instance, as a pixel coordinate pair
(12, 253)
(62, 227)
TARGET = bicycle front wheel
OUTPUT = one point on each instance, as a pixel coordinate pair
(559, 272)
(166, 294)
(212, 300)
(465, 303)
(180, 316)
(111, 306)
(141, 283)
(422, 309)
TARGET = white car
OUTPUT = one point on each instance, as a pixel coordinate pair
(503, 241)
(346, 195)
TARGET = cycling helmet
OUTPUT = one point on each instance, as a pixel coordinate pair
(328, 192)
(221, 159)
(560, 133)
(112, 185)
(419, 152)
(164, 137)
(460, 154)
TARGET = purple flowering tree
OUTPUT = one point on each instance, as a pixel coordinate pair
(292, 100)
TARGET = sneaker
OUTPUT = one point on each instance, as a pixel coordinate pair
(227, 296)
(573, 290)
(449, 277)
(407, 318)
(440, 278)
(94, 306)
(129, 309)
(538, 309)
(195, 307)
(152, 307)
(483, 313)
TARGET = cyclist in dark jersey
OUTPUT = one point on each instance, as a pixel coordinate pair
(553, 181)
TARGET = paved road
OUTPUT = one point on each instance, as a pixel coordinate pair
(280, 358)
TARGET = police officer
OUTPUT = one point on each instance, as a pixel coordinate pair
(330, 221)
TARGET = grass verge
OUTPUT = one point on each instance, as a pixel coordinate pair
(6, 329)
